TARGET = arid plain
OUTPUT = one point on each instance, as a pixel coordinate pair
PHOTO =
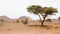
(11, 26)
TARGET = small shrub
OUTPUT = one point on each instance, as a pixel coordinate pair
(17, 21)
(49, 20)
(25, 22)
(58, 18)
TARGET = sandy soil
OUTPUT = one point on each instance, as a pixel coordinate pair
(19, 28)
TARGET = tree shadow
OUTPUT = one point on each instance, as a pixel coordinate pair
(40, 26)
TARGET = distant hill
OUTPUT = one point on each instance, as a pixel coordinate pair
(24, 18)
(4, 18)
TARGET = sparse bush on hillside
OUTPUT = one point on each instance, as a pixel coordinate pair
(49, 20)
(58, 18)
(17, 21)
(25, 22)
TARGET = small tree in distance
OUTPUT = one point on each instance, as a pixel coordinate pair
(43, 11)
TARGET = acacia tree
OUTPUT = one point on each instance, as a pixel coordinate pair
(43, 11)
(35, 9)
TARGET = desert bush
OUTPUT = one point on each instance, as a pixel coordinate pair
(25, 22)
(58, 18)
(49, 20)
(17, 21)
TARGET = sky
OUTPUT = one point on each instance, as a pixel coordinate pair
(17, 8)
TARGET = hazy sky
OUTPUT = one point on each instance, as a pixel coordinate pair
(17, 8)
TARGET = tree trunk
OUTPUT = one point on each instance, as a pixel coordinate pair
(39, 17)
(43, 20)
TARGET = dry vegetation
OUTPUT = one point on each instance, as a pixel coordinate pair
(18, 28)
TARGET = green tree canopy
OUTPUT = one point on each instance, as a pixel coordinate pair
(35, 9)
(49, 10)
